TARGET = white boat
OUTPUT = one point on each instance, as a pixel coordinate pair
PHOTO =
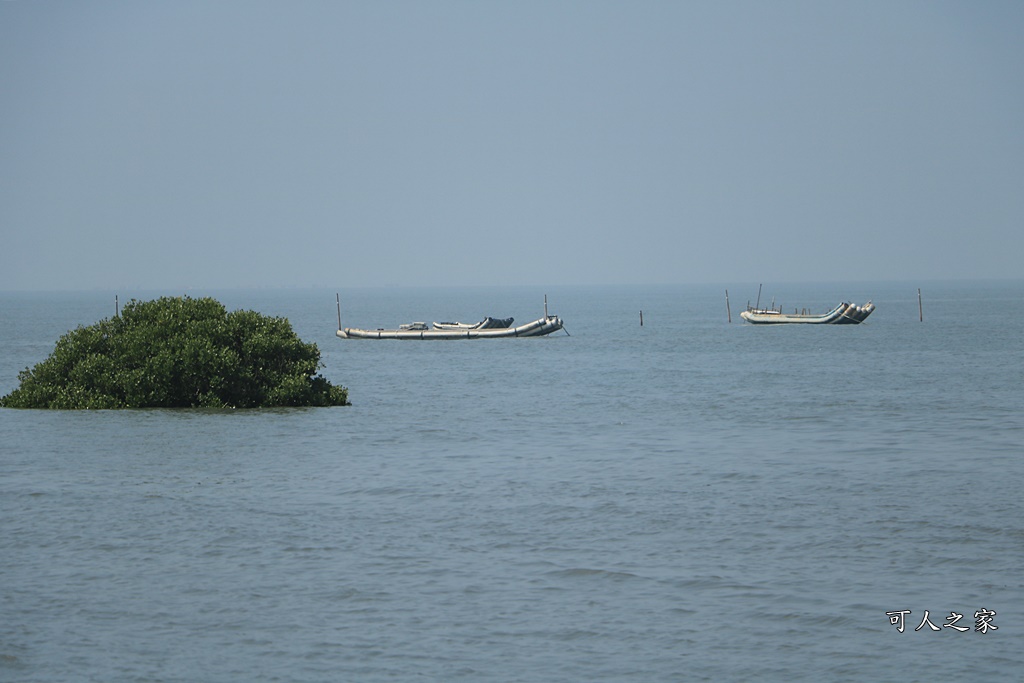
(843, 314)
(488, 328)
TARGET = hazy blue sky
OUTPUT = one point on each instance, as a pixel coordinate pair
(243, 143)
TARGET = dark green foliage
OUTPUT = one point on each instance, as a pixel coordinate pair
(177, 353)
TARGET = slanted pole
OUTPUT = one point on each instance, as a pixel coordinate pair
(338, 297)
(728, 311)
(757, 306)
(920, 310)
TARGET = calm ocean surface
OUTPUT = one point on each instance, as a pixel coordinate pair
(684, 501)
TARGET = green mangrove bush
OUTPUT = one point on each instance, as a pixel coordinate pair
(178, 352)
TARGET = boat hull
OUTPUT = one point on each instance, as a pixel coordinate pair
(843, 314)
(537, 328)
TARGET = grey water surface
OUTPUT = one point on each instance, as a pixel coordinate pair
(683, 501)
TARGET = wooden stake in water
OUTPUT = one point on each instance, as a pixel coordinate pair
(920, 310)
(728, 311)
(641, 317)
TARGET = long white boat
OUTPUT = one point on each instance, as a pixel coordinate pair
(843, 314)
(488, 328)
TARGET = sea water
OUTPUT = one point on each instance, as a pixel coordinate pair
(686, 500)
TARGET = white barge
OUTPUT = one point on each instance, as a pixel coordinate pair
(488, 328)
(843, 314)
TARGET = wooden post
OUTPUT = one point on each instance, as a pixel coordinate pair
(920, 310)
(728, 312)
(641, 317)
